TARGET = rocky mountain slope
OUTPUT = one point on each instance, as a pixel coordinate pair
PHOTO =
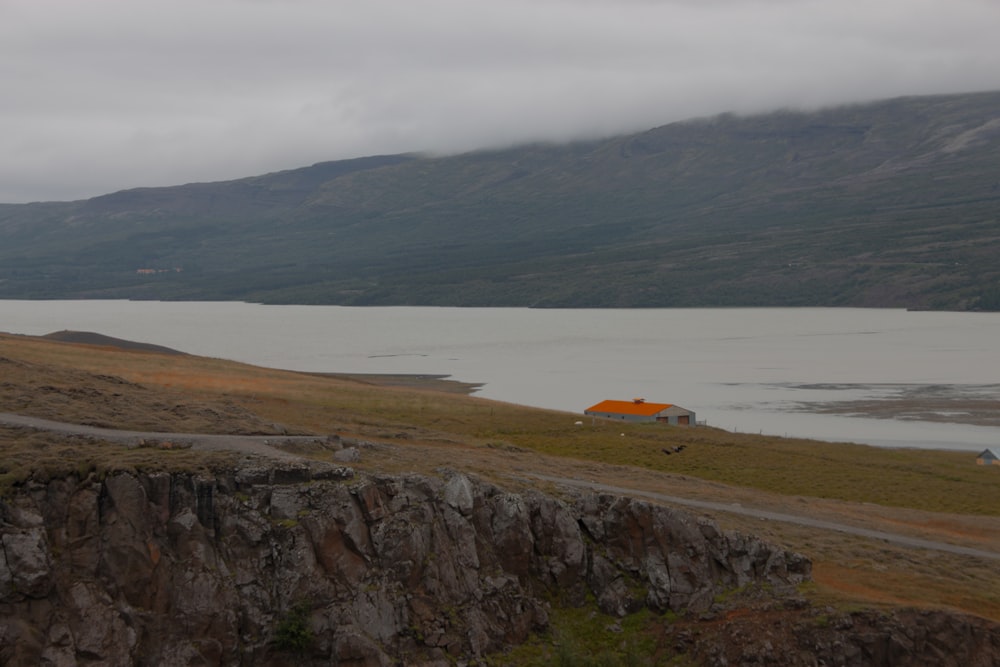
(885, 204)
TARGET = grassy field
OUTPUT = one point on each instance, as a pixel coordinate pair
(934, 495)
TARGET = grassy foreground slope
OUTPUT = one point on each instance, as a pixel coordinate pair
(935, 495)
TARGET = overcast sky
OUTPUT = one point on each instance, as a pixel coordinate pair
(102, 95)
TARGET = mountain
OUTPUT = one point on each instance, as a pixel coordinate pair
(889, 204)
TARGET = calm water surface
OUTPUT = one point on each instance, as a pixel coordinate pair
(739, 369)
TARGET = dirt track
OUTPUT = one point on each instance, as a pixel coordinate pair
(736, 508)
(268, 446)
(260, 445)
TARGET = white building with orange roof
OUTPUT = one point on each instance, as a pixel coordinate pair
(641, 410)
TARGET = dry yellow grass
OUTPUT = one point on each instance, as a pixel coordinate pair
(933, 495)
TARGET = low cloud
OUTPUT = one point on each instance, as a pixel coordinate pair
(110, 94)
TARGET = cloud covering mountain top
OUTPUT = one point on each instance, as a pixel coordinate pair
(109, 94)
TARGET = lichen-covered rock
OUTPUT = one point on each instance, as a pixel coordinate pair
(266, 566)
(25, 565)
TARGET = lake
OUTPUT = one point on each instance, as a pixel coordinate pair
(809, 372)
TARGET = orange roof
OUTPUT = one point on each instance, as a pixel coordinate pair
(634, 407)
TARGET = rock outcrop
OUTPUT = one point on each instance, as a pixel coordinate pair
(320, 566)
(809, 636)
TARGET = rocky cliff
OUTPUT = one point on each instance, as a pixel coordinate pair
(265, 566)
(785, 636)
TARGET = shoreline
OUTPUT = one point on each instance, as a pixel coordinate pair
(934, 403)
(409, 381)
(430, 382)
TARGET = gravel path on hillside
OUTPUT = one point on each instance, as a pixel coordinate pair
(265, 446)
(259, 445)
(797, 519)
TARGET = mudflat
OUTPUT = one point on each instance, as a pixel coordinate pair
(975, 405)
(414, 381)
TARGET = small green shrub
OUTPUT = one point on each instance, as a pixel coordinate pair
(293, 633)
(584, 637)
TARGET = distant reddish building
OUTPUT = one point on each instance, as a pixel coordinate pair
(640, 410)
(988, 458)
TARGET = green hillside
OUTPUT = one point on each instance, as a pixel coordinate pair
(889, 204)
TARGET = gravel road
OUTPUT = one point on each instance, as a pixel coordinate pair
(264, 446)
(798, 519)
(260, 445)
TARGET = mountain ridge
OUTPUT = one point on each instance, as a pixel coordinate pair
(889, 204)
